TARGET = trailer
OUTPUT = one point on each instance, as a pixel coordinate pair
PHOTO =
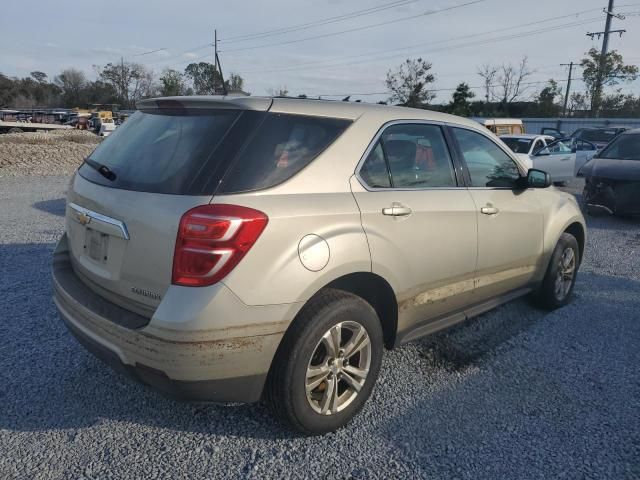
(19, 127)
(18, 121)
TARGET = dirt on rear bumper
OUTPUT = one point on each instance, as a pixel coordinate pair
(224, 370)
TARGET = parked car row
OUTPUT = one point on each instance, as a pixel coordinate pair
(599, 136)
(561, 158)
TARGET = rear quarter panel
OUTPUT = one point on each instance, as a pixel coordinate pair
(272, 272)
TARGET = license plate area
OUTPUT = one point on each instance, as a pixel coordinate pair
(96, 245)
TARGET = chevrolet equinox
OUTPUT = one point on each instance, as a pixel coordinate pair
(242, 249)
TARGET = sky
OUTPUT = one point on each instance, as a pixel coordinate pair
(331, 48)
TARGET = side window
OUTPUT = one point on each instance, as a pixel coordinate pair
(488, 164)
(374, 169)
(283, 145)
(559, 147)
(418, 156)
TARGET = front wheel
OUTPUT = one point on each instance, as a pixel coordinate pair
(327, 365)
(560, 279)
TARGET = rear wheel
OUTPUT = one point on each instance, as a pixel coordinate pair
(328, 362)
(15, 130)
(558, 283)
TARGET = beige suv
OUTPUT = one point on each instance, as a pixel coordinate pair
(238, 249)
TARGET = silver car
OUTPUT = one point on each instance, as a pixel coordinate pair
(239, 249)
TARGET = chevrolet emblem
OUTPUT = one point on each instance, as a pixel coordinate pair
(83, 218)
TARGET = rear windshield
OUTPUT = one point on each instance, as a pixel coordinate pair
(159, 152)
(598, 135)
(624, 147)
(518, 145)
(190, 152)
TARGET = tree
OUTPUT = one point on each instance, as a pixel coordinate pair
(578, 101)
(488, 74)
(505, 83)
(72, 83)
(205, 78)
(235, 83)
(99, 91)
(128, 80)
(408, 83)
(460, 104)
(6, 90)
(510, 82)
(614, 71)
(39, 77)
(546, 99)
(172, 83)
(278, 91)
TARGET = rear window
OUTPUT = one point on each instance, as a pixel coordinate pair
(518, 145)
(598, 135)
(160, 152)
(283, 145)
(190, 152)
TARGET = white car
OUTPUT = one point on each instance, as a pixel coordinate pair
(561, 159)
(106, 128)
(526, 145)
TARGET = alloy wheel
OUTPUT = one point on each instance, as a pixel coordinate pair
(338, 368)
(566, 273)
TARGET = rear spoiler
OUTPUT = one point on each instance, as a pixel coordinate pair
(261, 104)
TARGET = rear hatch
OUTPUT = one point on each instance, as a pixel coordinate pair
(126, 200)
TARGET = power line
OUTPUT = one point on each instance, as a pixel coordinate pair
(200, 47)
(399, 3)
(316, 23)
(407, 47)
(444, 48)
(357, 29)
(149, 52)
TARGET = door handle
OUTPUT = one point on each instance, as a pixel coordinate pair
(489, 210)
(396, 210)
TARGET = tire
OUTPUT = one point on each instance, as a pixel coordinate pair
(15, 130)
(555, 293)
(303, 347)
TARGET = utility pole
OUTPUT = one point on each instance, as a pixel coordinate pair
(218, 66)
(566, 95)
(596, 101)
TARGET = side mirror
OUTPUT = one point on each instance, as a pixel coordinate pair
(543, 152)
(535, 179)
(538, 179)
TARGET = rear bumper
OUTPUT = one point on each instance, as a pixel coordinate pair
(240, 389)
(220, 368)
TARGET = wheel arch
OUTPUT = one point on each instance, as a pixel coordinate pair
(577, 230)
(378, 293)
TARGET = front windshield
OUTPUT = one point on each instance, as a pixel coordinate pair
(624, 147)
(518, 145)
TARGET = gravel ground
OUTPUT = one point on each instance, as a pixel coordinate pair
(57, 152)
(515, 393)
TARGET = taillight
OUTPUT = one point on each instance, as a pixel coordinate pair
(211, 240)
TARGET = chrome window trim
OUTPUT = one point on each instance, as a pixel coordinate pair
(374, 142)
(101, 218)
